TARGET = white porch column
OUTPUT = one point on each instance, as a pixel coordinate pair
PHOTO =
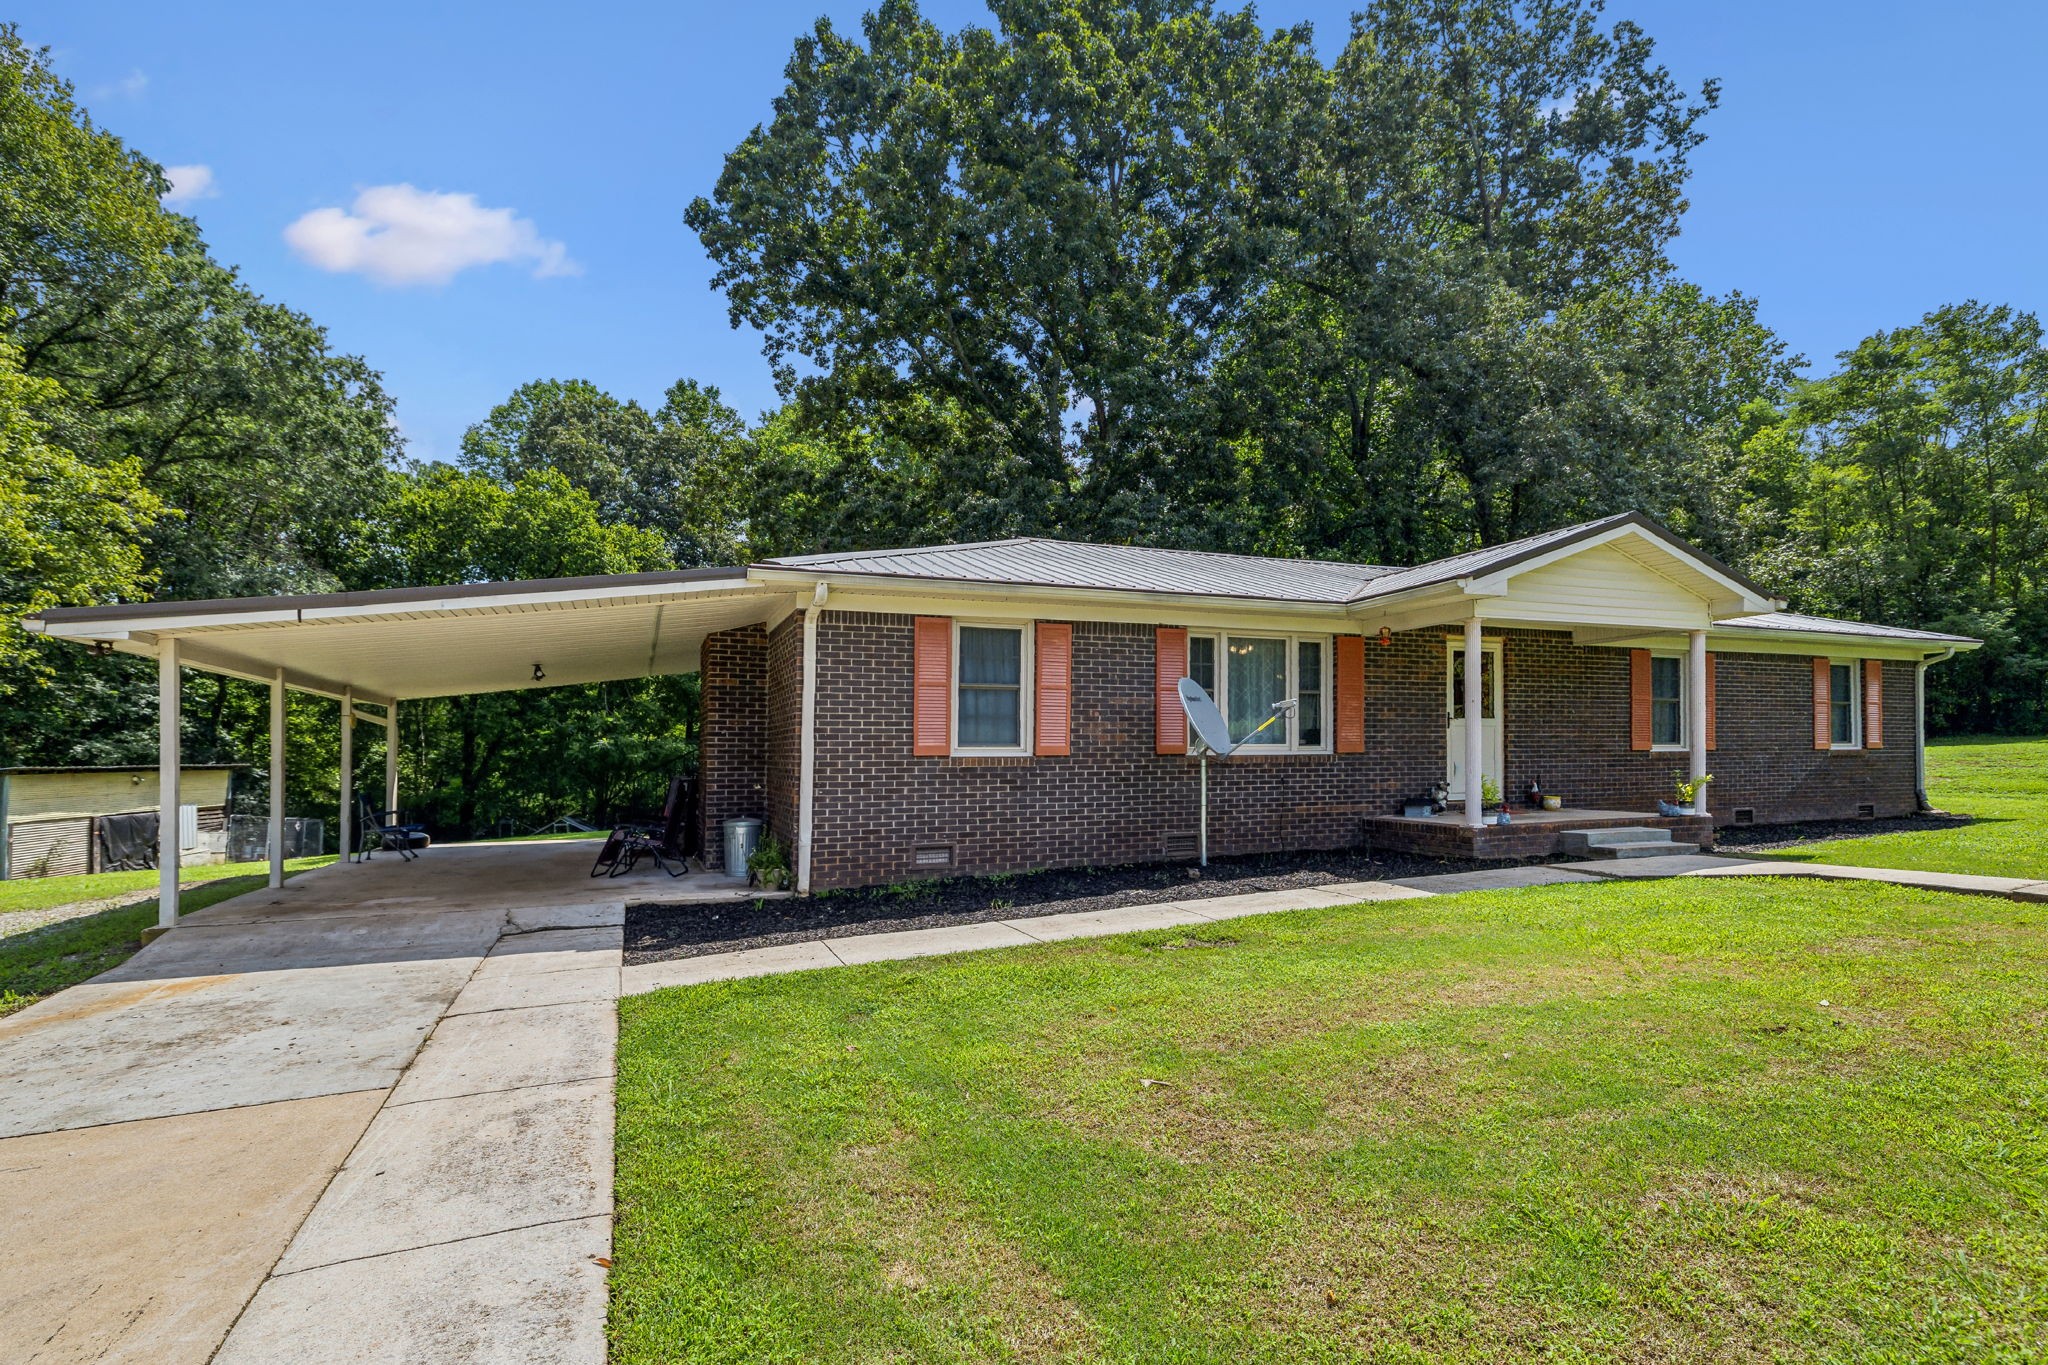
(348, 771)
(391, 757)
(167, 760)
(1696, 713)
(1475, 724)
(277, 748)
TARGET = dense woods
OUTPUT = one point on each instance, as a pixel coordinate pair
(1125, 272)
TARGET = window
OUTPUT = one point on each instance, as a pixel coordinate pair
(1667, 701)
(1256, 671)
(1308, 673)
(1202, 662)
(1842, 705)
(989, 688)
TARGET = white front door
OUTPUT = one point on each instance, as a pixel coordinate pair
(1454, 715)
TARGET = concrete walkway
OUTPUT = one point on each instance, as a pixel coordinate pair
(366, 1117)
(848, 950)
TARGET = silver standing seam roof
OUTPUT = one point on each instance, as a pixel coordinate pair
(1029, 561)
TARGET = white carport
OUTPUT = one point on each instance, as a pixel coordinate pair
(377, 649)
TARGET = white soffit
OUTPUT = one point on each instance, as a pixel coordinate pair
(471, 645)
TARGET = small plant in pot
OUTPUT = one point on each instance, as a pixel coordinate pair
(1688, 791)
(769, 864)
(1489, 793)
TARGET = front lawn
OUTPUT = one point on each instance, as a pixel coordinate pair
(45, 893)
(2001, 782)
(1662, 1121)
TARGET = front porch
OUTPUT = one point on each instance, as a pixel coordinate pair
(1530, 834)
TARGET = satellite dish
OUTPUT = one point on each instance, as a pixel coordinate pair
(1203, 717)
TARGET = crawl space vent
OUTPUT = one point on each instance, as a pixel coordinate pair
(1866, 810)
(1745, 815)
(1179, 846)
(933, 855)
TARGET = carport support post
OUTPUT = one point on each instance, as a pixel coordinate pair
(391, 758)
(1696, 694)
(167, 759)
(277, 748)
(348, 770)
(1475, 724)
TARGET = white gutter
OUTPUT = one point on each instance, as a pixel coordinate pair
(808, 741)
(1920, 724)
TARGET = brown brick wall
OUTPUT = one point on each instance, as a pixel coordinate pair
(732, 747)
(1566, 724)
(1114, 800)
(782, 756)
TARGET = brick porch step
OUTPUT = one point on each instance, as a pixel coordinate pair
(1637, 841)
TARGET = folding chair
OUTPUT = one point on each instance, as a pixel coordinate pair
(659, 839)
(389, 831)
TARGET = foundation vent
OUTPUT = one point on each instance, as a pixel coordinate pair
(932, 855)
(1745, 815)
(1179, 846)
(1866, 810)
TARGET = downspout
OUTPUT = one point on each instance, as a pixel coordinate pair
(808, 741)
(1920, 725)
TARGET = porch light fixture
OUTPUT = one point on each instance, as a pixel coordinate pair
(102, 648)
(538, 675)
(1386, 637)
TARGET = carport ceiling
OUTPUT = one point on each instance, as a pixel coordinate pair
(448, 641)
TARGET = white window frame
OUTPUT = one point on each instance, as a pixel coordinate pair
(1222, 639)
(1855, 740)
(1682, 744)
(1026, 658)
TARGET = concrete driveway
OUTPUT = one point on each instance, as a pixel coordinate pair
(366, 1117)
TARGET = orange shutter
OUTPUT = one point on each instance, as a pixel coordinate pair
(931, 687)
(1873, 704)
(1821, 697)
(1710, 701)
(1639, 699)
(1350, 720)
(1053, 684)
(1169, 666)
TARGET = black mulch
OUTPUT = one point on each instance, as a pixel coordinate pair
(657, 933)
(1761, 838)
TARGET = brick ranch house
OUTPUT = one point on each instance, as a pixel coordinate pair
(1011, 705)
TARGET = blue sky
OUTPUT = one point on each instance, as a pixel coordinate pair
(1869, 162)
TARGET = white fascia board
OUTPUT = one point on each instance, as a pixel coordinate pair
(1814, 641)
(632, 594)
(161, 625)
(1495, 584)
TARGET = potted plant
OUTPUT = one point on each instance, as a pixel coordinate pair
(1688, 790)
(1489, 793)
(769, 865)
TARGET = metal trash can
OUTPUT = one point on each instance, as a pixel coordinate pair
(742, 837)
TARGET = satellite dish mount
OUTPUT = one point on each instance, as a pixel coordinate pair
(1210, 734)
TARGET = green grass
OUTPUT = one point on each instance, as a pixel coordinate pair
(43, 961)
(45, 893)
(1664, 1121)
(2002, 782)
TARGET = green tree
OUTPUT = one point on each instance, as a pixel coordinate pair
(670, 471)
(1911, 486)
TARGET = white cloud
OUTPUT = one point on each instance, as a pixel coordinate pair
(189, 183)
(129, 87)
(400, 235)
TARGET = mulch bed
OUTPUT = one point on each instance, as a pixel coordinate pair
(658, 933)
(1762, 838)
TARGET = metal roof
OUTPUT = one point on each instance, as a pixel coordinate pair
(1036, 562)
(1827, 625)
(378, 597)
